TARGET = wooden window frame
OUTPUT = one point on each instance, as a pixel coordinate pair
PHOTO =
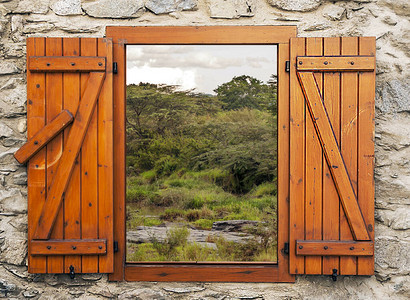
(201, 271)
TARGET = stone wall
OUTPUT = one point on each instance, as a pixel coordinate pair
(388, 20)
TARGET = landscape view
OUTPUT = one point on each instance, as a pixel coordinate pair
(201, 154)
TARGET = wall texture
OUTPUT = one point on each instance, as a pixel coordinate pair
(388, 20)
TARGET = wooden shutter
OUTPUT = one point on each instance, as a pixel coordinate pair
(70, 153)
(332, 86)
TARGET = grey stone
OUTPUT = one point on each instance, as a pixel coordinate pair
(5, 131)
(184, 290)
(29, 6)
(91, 277)
(296, 5)
(400, 7)
(334, 12)
(41, 27)
(67, 7)
(231, 9)
(6, 288)
(234, 225)
(20, 179)
(22, 125)
(15, 50)
(317, 27)
(11, 200)
(8, 67)
(143, 294)
(16, 23)
(168, 6)
(392, 256)
(120, 9)
(389, 21)
(30, 293)
(393, 96)
(79, 27)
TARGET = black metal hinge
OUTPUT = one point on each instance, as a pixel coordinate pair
(115, 246)
(286, 248)
(287, 66)
(115, 68)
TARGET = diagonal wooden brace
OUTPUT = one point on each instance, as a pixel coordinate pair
(333, 156)
(66, 164)
(43, 136)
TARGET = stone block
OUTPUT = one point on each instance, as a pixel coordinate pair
(392, 96)
(67, 7)
(231, 9)
(296, 5)
(118, 9)
(169, 6)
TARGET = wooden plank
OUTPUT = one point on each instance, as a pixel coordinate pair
(119, 163)
(72, 201)
(43, 136)
(36, 168)
(206, 273)
(202, 35)
(348, 142)
(69, 247)
(345, 63)
(89, 170)
(331, 202)
(283, 163)
(54, 105)
(66, 165)
(297, 159)
(367, 46)
(335, 248)
(313, 202)
(105, 161)
(333, 156)
(66, 64)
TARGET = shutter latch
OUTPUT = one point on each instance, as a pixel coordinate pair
(287, 66)
(334, 275)
(72, 274)
(114, 68)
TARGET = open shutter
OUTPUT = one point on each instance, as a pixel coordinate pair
(332, 84)
(70, 154)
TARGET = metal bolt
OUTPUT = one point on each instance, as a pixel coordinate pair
(100, 64)
(351, 248)
(300, 247)
(35, 142)
(48, 64)
(48, 247)
(352, 63)
(73, 64)
(326, 63)
(325, 247)
(74, 247)
(300, 62)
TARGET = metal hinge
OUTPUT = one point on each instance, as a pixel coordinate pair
(287, 66)
(115, 246)
(115, 68)
(286, 248)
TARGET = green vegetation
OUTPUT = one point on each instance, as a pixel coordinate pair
(194, 159)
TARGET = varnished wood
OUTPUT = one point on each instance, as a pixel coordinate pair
(43, 136)
(65, 167)
(69, 247)
(333, 156)
(365, 151)
(201, 35)
(66, 64)
(335, 248)
(36, 167)
(336, 63)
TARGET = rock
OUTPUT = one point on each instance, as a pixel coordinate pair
(120, 9)
(184, 290)
(5, 131)
(30, 293)
(168, 6)
(8, 67)
(231, 9)
(67, 7)
(391, 256)
(400, 7)
(38, 27)
(143, 294)
(296, 5)
(16, 23)
(334, 12)
(79, 27)
(317, 27)
(393, 96)
(9, 142)
(6, 288)
(15, 50)
(20, 179)
(29, 6)
(11, 200)
(22, 125)
(234, 225)
(91, 277)
(389, 21)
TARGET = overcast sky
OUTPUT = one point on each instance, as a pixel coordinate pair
(199, 67)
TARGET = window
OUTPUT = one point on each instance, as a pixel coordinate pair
(76, 153)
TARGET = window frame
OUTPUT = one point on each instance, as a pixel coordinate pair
(201, 271)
